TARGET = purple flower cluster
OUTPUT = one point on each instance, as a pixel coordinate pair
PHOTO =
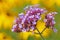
(27, 21)
(49, 20)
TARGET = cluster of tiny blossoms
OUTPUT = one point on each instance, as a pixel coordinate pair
(49, 20)
(27, 22)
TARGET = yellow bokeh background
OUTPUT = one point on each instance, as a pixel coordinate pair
(9, 9)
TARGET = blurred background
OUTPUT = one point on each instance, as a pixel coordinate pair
(9, 9)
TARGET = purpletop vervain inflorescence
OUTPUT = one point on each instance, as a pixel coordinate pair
(26, 22)
(49, 20)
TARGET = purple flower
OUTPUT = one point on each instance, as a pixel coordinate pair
(28, 21)
(49, 20)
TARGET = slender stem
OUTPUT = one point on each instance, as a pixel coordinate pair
(40, 34)
(43, 30)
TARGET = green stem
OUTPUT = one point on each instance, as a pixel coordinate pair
(40, 34)
(43, 30)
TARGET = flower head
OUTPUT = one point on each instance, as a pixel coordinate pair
(28, 21)
(49, 20)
